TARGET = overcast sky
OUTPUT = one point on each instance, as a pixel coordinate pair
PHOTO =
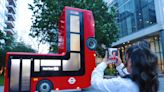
(23, 21)
(23, 24)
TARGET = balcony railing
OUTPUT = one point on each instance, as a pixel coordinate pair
(11, 15)
(9, 31)
(12, 2)
(10, 7)
(10, 24)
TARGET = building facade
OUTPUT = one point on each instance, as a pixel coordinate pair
(10, 16)
(3, 10)
(7, 16)
(141, 19)
(3, 18)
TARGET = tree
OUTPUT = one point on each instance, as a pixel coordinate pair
(22, 47)
(46, 14)
(6, 46)
(2, 38)
(12, 46)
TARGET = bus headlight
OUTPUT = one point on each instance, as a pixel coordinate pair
(91, 43)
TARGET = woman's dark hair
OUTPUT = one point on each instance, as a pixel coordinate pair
(144, 43)
(144, 68)
(129, 52)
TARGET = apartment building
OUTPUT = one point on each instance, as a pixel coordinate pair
(7, 16)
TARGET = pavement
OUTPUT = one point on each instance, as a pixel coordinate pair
(161, 87)
(161, 84)
(1, 88)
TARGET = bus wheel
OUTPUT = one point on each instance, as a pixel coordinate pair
(44, 86)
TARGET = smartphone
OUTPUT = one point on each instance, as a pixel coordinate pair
(113, 52)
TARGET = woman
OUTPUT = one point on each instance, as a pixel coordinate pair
(139, 76)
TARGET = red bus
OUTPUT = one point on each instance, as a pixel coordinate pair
(70, 68)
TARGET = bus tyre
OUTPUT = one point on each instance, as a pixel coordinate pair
(91, 43)
(44, 86)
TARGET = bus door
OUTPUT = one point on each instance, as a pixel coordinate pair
(20, 71)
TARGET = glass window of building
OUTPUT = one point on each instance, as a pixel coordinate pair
(155, 46)
(161, 54)
(137, 14)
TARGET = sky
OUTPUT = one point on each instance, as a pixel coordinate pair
(23, 24)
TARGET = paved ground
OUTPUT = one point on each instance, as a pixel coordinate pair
(161, 87)
(1, 88)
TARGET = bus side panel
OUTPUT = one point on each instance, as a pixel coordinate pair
(62, 82)
(89, 54)
(6, 75)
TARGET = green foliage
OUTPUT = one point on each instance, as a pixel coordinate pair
(46, 15)
(7, 46)
(1, 80)
(10, 40)
(2, 35)
(2, 38)
(22, 47)
(110, 71)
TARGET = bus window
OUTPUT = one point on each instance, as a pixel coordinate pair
(73, 64)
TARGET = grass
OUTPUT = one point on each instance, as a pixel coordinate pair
(1, 80)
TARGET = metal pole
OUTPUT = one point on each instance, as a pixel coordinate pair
(162, 42)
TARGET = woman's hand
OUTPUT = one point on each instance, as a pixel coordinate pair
(118, 61)
(108, 59)
(112, 59)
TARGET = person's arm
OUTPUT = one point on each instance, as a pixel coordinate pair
(122, 70)
(120, 67)
(101, 84)
(97, 80)
(104, 85)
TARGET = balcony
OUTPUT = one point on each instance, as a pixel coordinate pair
(9, 31)
(11, 16)
(10, 24)
(12, 2)
(11, 8)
